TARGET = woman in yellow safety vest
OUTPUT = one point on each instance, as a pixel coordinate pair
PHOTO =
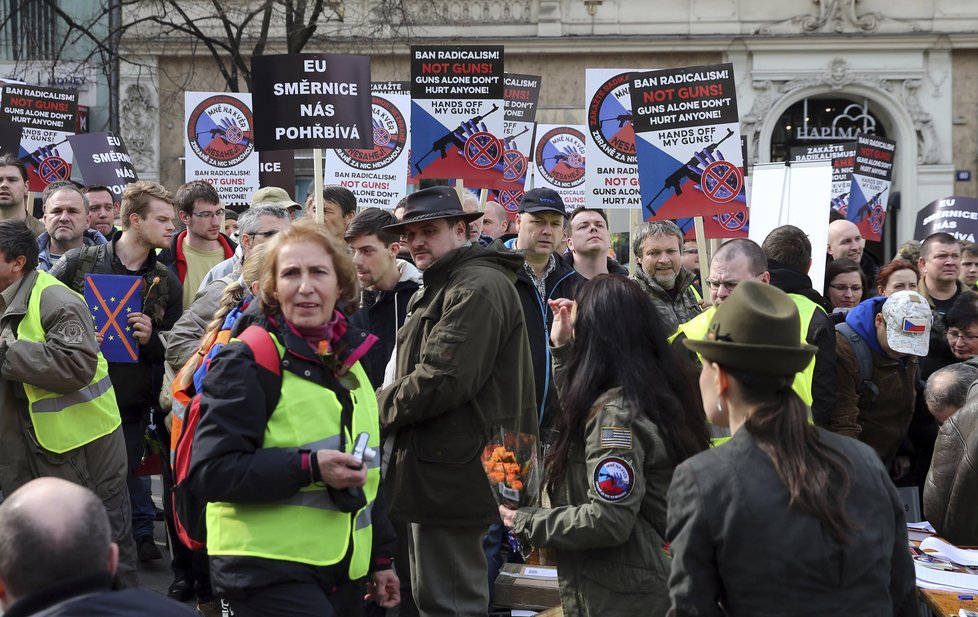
(287, 469)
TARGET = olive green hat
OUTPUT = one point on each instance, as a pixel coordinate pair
(756, 329)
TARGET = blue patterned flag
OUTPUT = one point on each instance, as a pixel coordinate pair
(111, 298)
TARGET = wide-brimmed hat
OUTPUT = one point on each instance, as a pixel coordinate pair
(437, 202)
(274, 195)
(757, 329)
(908, 322)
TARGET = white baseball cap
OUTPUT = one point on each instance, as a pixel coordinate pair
(908, 321)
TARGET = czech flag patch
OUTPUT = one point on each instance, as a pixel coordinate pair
(914, 326)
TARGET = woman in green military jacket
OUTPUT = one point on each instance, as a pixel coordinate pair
(629, 417)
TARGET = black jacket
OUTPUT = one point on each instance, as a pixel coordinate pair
(229, 464)
(382, 314)
(88, 595)
(137, 385)
(562, 283)
(613, 266)
(821, 333)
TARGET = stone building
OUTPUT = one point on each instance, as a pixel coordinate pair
(806, 70)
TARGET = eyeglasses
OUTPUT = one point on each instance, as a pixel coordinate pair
(730, 285)
(263, 234)
(207, 215)
(844, 288)
(954, 335)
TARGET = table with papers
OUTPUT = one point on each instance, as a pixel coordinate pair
(944, 591)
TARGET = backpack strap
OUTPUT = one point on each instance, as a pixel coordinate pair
(88, 256)
(864, 356)
(266, 355)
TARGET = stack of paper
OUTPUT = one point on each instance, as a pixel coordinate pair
(946, 567)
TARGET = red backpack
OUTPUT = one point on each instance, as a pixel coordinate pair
(189, 509)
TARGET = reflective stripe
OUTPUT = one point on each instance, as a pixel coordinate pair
(364, 518)
(60, 403)
(326, 443)
(311, 499)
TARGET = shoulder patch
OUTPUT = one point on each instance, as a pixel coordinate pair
(613, 479)
(71, 331)
(616, 437)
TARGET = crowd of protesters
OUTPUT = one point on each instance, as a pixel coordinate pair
(709, 446)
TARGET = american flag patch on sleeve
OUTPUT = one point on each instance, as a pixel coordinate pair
(616, 437)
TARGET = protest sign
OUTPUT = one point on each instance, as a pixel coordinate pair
(220, 144)
(869, 189)
(311, 101)
(559, 160)
(732, 224)
(378, 175)
(843, 157)
(47, 116)
(111, 298)
(10, 138)
(955, 215)
(103, 160)
(457, 112)
(611, 178)
(521, 95)
(508, 199)
(682, 118)
(277, 168)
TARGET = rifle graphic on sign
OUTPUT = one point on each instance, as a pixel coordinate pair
(452, 138)
(870, 207)
(686, 171)
(621, 119)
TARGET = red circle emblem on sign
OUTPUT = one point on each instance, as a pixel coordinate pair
(482, 150)
(54, 169)
(722, 181)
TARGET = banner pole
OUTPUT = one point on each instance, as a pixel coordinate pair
(633, 223)
(317, 172)
(460, 189)
(701, 247)
(483, 198)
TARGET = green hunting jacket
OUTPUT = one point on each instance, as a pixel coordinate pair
(463, 368)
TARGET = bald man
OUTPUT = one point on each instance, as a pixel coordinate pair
(496, 222)
(845, 240)
(57, 557)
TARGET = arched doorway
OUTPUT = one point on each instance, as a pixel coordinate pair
(823, 119)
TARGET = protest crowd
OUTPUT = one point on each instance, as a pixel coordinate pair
(364, 411)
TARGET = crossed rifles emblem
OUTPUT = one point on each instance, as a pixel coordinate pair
(112, 315)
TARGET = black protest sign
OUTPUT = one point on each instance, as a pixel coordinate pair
(955, 215)
(521, 93)
(10, 138)
(457, 72)
(277, 168)
(869, 188)
(40, 108)
(104, 160)
(684, 97)
(311, 101)
(843, 157)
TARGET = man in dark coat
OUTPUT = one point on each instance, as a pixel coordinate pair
(463, 369)
(789, 256)
(57, 558)
(542, 277)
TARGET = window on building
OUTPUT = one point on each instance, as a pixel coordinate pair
(29, 30)
(814, 121)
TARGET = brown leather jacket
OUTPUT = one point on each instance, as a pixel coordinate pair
(880, 423)
(950, 502)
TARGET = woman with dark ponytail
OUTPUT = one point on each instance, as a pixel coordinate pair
(785, 518)
(629, 415)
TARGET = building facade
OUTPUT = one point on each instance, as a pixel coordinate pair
(808, 71)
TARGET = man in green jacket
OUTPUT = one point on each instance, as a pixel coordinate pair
(463, 369)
